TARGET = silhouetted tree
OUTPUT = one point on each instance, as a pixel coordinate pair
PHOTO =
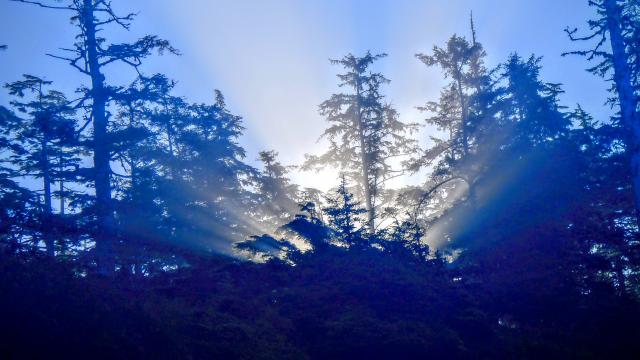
(44, 144)
(531, 106)
(142, 229)
(276, 194)
(452, 112)
(168, 118)
(17, 204)
(364, 132)
(616, 25)
(539, 259)
(464, 109)
(344, 214)
(209, 195)
(90, 56)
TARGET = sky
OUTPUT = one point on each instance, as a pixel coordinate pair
(270, 57)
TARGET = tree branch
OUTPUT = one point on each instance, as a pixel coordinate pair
(40, 4)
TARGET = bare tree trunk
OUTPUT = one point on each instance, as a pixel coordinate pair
(626, 95)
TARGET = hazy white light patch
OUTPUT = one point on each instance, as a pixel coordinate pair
(324, 179)
(270, 57)
(263, 59)
(436, 235)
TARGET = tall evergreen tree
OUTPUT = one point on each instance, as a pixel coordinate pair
(17, 203)
(452, 112)
(605, 220)
(140, 218)
(168, 119)
(91, 55)
(45, 142)
(532, 111)
(462, 111)
(364, 133)
(616, 25)
(209, 194)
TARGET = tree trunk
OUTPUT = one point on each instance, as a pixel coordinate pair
(365, 165)
(626, 95)
(101, 154)
(46, 185)
(61, 170)
(48, 209)
(463, 118)
(620, 278)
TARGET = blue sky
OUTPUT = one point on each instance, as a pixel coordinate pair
(270, 58)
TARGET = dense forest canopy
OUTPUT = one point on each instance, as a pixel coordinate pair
(133, 224)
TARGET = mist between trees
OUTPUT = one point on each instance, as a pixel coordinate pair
(522, 195)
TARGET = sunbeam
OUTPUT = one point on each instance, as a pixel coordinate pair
(335, 179)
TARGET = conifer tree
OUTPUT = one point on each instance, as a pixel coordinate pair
(168, 118)
(532, 109)
(91, 55)
(364, 132)
(345, 214)
(460, 61)
(462, 110)
(208, 195)
(276, 194)
(140, 217)
(44, 143)
(616, 27)
(17, 203)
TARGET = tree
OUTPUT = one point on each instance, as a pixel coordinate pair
(452, 113)
(206, 193)
(532, 112)
(143, 232)
(276, 195)
(605, 225)
(344, 214)
(463, 110)
(16, 202)
(364, 132)
(520, 171)
(90, 56)
(133, 137)
(617, 25)
(44, 144)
